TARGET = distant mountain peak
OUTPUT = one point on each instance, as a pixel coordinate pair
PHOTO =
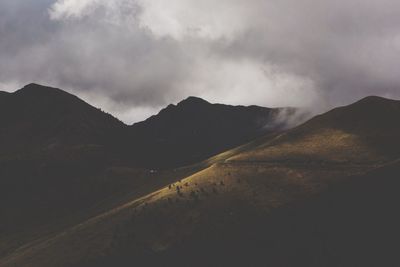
(374, 108)
(375, 100)
(190, 103)
(35, 86)
(192, 100)
(40, 90)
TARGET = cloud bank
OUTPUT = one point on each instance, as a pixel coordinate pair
(132, 57)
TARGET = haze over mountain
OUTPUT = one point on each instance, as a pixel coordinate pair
(320, 194)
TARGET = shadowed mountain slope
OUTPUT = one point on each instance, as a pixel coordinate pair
(62, 160)
(194, 130)
(39, 117)
(322, 194)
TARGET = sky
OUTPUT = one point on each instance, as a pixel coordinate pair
(133, 57)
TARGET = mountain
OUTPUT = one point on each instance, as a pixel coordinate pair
(39, 117)
(42, 119)
(63, 160)
(320, 194)
(54, 150)
(364, 132)
(195, 129)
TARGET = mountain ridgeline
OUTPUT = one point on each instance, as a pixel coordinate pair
(81, 189)
(194, 130)
(43, 119)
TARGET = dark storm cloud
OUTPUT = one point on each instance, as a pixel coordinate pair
(131, 57)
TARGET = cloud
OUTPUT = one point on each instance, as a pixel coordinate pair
(132, 57)
(66, 9)
(196, 19)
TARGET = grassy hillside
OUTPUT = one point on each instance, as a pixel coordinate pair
(364, 132)
(63, 160)
(322, 194)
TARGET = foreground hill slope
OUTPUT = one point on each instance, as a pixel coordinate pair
(283, 201)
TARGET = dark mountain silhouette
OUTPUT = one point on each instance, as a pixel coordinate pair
(54, 151)
(194, 130)
(39, 117)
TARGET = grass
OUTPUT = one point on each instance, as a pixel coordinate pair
(238, 195)
(166, 217)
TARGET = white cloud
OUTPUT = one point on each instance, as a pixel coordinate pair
(111, 11)
(174, 18)
(196, 19)
(66, 9)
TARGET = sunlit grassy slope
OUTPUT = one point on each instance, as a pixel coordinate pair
(41, 213)
(322, 145)
(254, 205)
(364, 132)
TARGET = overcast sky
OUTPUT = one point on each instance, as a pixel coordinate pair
(132, 57)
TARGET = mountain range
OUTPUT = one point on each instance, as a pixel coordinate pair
(42, 119)
(198, 184)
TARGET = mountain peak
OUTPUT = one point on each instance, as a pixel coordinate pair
(193, 100)
(374, 99)
(376, 103)
(375, 107)
(39, 90)
(35, 86)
